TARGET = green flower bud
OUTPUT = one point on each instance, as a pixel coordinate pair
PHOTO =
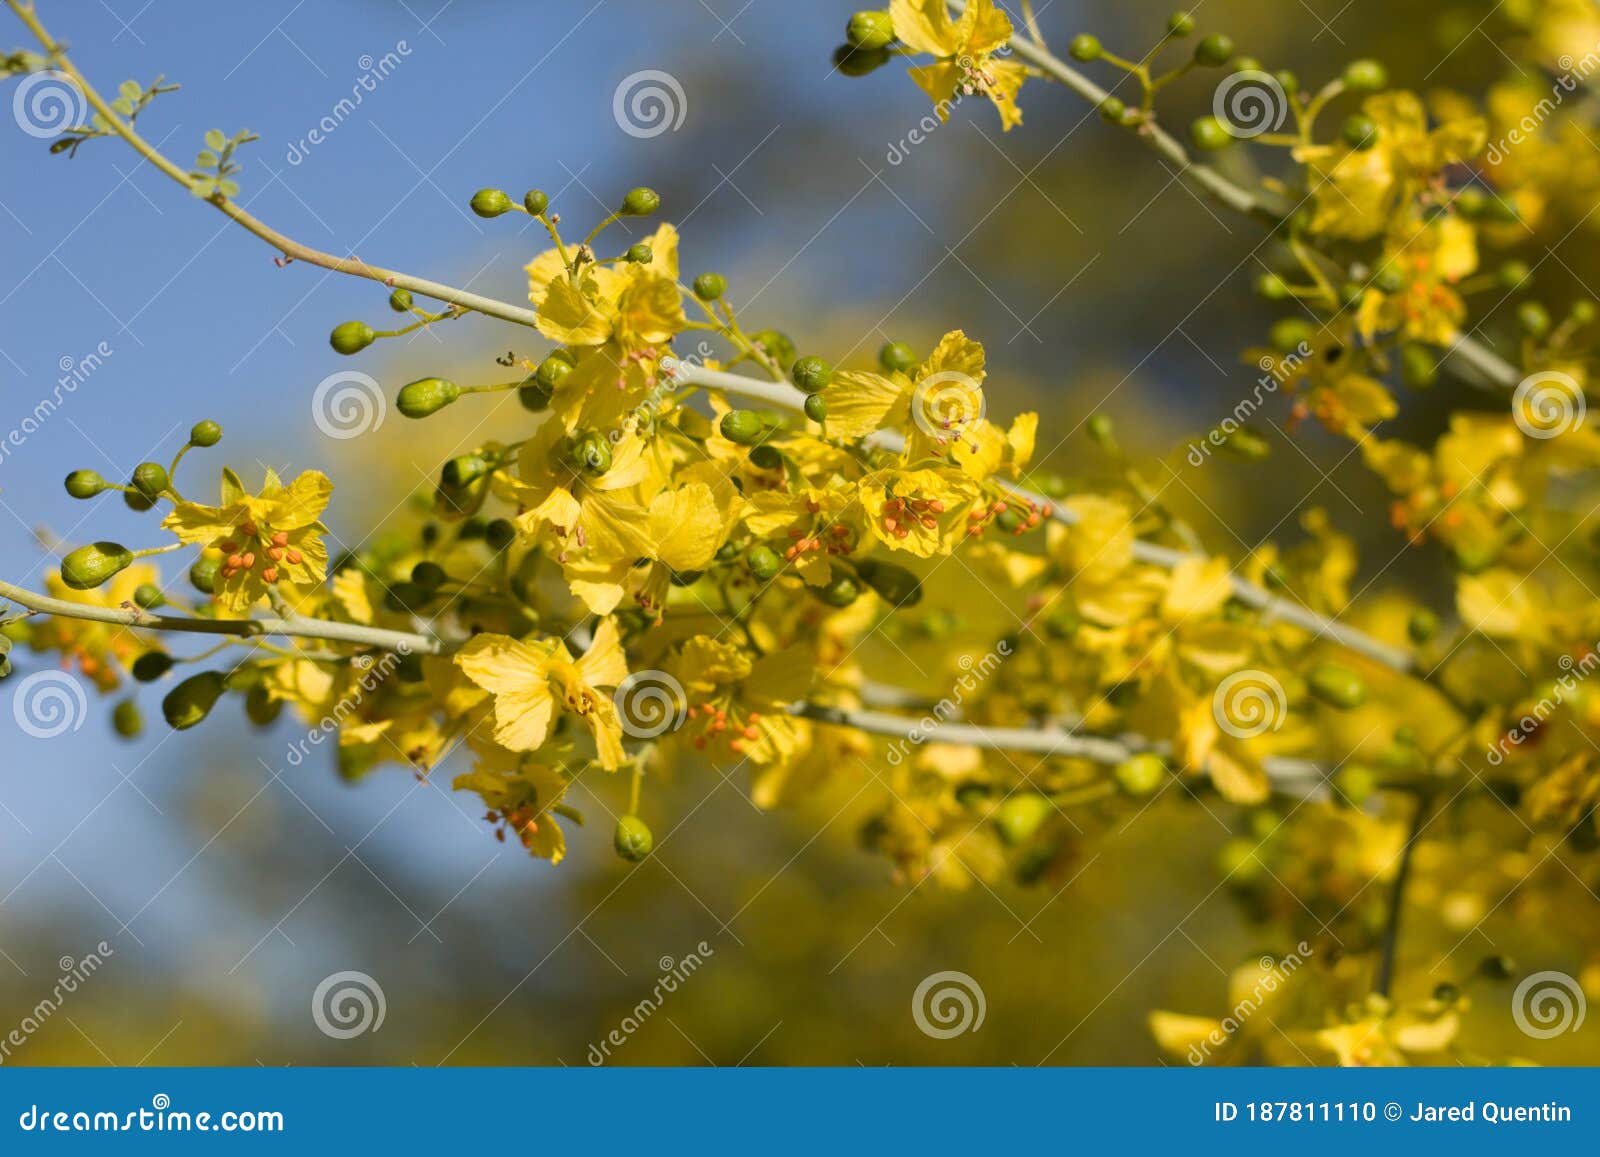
(1583, 311)
(1291, 333)
(85, 483)
(591, 454)
(710, 286)
(1084, 47)
(500, 534)
(640, 254)
(1359, 132)
(1497, 967)
(816, 407)
(892, 582)
(400, 301)
(1008, 520)
(490, 202)
(151, 665)
(536, 201)
(135, 501)
(464, 470)
(1214, 51)
(1288, 81)
(1446, 993)
(1272, 287)
(1210, 135)
(351, 337)
(534, 396)
(811, 374)
(640, 202)
(1534, 318)
(555, 367)
(897, 357)
(426, 396)
(632, 839)
(1244, 64)
(261, 707)
(1102, 431)
(89, 566)
(1356, 782)
(1142, 774)
(764, 563)
(1422, 626)
(777, 346)
(126, 720)
(203, 575)
(205, 434)
(841, 591)
(150, 479)
(1180, 24)
(192, 700)
(851, 61)
(766, 457)
(148, 596)
(1021, 816)
(1419, 368)
(870, 31)
(1337, 685)
(1389, 280)
(1365, 76)
(1112, 110)
(429, 575)
(743, 427)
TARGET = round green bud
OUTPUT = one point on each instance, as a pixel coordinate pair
(591, 454)
(464, 470)
(841, 591)
(1290, 333)
(632, 839)
(490, 202)
(1419, 368)
(743, 427)
(555, 367)
(1583, 311)
(351, 337)
(1365, 76)
(261, 706)
(148, 596)
(85, 483)
(640, 202)
(816, 407)
(1350, 293)
(1288, 81)
(1142, 774)
(1356, 782)
(205, 434)
(400, 301)
(870, 31)
(1389, 280)
(1359, 132)
(764, 563)
(135, 501)
(1102, 430)
(1084, 47)
(500, 534)
(766, 457)
(192, 700)
(1337, 685)
(203, 575)
(1180, 24)
(428, 575)
(1112, 110)
(1497, 967)
(897, 357)
(536, 201)
(1214, 51)
(151, 665)
(640, 254)
(1422, 626)
(1244, 64)
(892, 582)
(710, 286)
(426, 396)
(811, 374)
(1534, 318)
(777, 345)
(1008, 520)
(126, 720)
(1020, 817)
(534, 396)
(1272, 287)
(150, 479)
(1446, 993)
(1210, 135)
(89, 566)
(851, 61)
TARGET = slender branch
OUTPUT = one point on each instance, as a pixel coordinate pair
(1383, 980)
(784, 395)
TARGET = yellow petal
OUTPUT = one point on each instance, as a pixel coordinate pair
(924, 25)
(604, 664)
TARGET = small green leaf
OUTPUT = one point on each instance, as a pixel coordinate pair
(203, 186)
(215, 139)
(229, 188)
(122, 105)
(206, 160)
(130, 89)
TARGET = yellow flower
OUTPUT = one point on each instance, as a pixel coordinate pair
(637, 307)
(263, 539)
(532, 682)
(737, 703)
(922, 512)
(523, 796)
(966, 50)
(1431, 258)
